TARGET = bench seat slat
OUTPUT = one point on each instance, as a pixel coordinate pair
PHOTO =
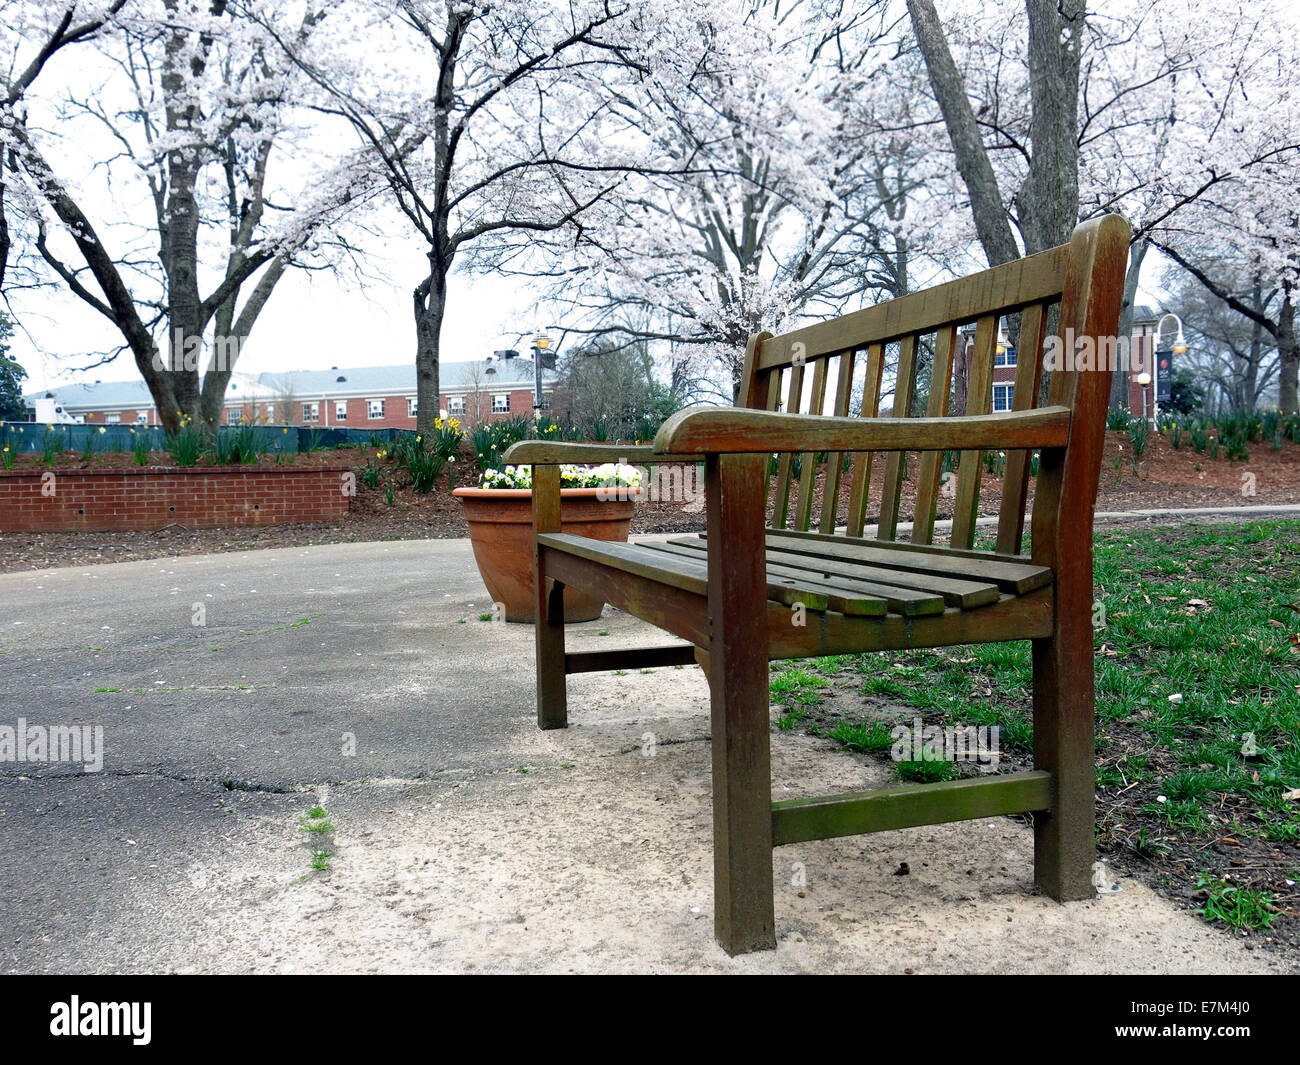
(906, 545)
(1008, 576)
(901, 597)
(674, 570)
(954, 592)
(830, 633)
(844, 596)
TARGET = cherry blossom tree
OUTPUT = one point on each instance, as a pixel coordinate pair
(1165, 112)
(1187, 107)
(1233, 356)
(500, 126)
(812, 176)
(198, 104)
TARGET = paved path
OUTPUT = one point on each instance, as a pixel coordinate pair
(465, 839)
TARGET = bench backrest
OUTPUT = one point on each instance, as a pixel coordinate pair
(1071, 292)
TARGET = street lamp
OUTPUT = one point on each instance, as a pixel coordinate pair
(1144, 382)
(1179, 348)
(541, 343)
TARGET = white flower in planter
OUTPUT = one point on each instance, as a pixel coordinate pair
(608, 475)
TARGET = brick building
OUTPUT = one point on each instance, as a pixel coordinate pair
(374, 397)
(1004, 365)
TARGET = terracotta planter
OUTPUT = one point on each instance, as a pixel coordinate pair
(501, 533)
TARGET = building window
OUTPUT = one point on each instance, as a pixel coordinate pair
(501, 403)
(141, 419)
(112, 419)
(311, 412)
(234, 415)
(374, 408)
(456, 405)
(341, 411)
(1002, 397)
(412, 406)
(1006, 357)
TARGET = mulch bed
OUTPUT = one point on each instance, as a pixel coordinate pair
(1166, 478)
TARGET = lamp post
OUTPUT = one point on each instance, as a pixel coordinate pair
(1144, 382)
(540, 344)
(1179, 348)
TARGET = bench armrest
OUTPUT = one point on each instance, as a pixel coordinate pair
(563, 452)
(736, 430)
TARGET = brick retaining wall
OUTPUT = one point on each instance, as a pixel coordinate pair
(145, 499)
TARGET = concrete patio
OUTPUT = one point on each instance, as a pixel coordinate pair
(465, 838)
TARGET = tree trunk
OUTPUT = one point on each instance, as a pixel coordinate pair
(1120, 379)
(1250, 388)
(1288, 356)
(1050, 196)
(430, 305)
(4, 230)
(179, 230)
(991, 221)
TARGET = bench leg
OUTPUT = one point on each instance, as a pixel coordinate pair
(738, 685)
(552, 707)
(1065, 840)
(552, 699)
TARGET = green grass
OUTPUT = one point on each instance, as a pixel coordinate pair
(925, 770)
(317, 824)
(796, 687)
(873, 736)
(1235, 906)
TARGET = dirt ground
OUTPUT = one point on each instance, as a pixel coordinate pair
(593, 856)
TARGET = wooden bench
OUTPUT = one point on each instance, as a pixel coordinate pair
(739, 595)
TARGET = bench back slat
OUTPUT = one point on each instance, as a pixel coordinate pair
(834, 465)
(930, 462)
(979, 400)
(871, 382)
(892, 484)
(808, 466)
(786, 461)
(1015, 484)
